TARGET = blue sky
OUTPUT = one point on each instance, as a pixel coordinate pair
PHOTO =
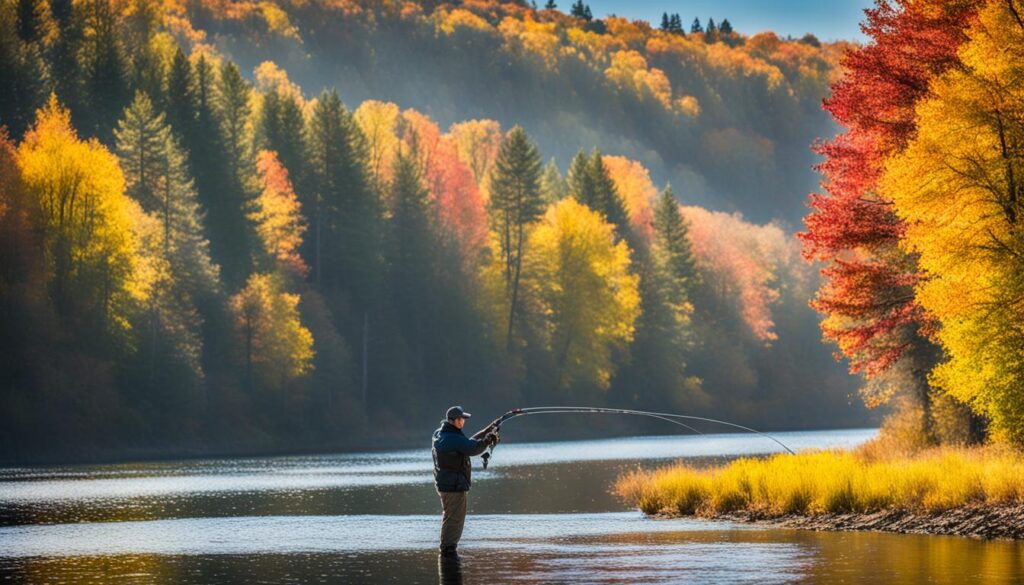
(827, 19)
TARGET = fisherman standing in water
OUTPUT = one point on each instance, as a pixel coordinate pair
(451, 451)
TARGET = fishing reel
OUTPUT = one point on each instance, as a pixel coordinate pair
(497, 439)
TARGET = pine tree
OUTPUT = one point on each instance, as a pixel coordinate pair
(229, 210)
(141, 25)
(712, 28)
(672, 241)
(233, 107)
(551, 5)
(410, 247)
(515, 204)
(346, 212)
(35, 21)
(22, 73)
(591, 185)
(105, 69)
(578, 180)
(665, 26)
(552, 185)
(696, 27)
(141, 137)
(156, 175)
(676, 24)
(725, 28)
(180, 101)
(65, 73)
(280, 128)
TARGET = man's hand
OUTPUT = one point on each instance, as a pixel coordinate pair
(491, 438)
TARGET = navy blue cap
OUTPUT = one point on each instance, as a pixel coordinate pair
(456, 412)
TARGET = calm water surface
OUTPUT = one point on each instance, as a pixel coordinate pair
(541, 514)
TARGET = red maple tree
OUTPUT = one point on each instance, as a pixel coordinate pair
(868, 293)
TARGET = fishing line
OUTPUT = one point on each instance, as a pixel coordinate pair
(665, 416)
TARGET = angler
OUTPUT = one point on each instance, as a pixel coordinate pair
(452, 470)
(452, 450)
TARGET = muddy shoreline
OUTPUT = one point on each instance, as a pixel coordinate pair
(979, 521)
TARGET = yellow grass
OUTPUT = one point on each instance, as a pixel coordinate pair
(832, 481)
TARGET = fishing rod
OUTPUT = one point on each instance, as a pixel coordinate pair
(665, 416)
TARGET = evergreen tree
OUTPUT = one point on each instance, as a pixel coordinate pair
(65, 73)
(591, 185)
(515, 204)
(156, 175)
(233, 107)
(22, 73)
(280, 128)
(346, 212)
(551, 5)
(142, 136)
(725, 28)
(552, 185)
(696, 27)
(676, 24)
(665, 26)
(35, 20)
(581, 10)
(230, 206)
(673, 243)
(578, 180)
(141, 25)
(410, 249)
(712, 28)
(180, 102)
(105, 69)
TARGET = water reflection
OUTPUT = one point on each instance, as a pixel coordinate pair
(449, 570)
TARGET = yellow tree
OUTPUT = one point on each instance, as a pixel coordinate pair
(477, 143)
(578, 283)
(958, 187)
(638, 192)
(90, 227)
(277, 216)
(379, 123)
(275, 346)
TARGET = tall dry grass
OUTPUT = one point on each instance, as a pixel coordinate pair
(866, 480)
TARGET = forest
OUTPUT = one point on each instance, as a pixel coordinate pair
(239, 227)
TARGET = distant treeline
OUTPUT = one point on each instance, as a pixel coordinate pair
(195, 262)
(726, 118)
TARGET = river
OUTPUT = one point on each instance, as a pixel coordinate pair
(542, 513)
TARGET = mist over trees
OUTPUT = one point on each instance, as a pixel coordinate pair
(727, 119)
(236, 262)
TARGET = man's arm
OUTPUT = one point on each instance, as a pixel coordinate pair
(486, 430)
(474, 446)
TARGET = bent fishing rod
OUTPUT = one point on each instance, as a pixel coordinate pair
(665, 416)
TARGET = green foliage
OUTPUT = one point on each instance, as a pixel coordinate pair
(22, 70)
(591, 185)
(105, 68)
(346, 212)
(515, 204)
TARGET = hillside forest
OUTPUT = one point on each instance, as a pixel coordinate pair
(234, 226)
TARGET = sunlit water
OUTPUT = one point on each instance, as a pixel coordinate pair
(542, 513)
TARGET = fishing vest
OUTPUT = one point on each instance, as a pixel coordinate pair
(452, 470)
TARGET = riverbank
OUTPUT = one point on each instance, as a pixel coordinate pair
(976, 492)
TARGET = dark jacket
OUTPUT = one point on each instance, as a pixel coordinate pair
(452, 450)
